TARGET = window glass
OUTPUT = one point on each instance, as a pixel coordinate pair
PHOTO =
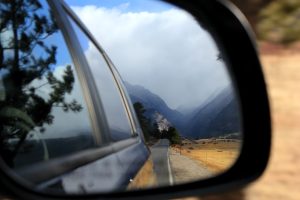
(113, 106)
(42, 111)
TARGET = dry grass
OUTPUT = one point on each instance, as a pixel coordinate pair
(282, 178)
(145, 178)
(216, 155)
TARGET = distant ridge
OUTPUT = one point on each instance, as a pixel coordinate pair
(152, 103)
(218, 116)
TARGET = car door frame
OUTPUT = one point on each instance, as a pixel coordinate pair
(134, 148)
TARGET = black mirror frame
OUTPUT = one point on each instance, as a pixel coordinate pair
(234, 37)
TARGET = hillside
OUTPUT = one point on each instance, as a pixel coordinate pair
(153, 104)
(218, 116)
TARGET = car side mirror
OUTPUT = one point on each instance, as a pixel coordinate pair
(155, 99)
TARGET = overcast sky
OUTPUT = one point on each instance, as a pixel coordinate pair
(157, 46)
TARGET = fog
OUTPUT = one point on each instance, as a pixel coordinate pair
(165, 51)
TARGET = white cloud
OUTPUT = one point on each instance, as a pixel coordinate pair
(166, 52)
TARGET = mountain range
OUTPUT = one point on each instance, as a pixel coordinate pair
(217, 116)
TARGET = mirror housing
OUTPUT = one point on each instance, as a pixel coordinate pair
(234, 37)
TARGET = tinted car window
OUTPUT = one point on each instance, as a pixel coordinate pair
(113, 106)
(42, 111)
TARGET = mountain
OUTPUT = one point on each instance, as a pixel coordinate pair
(217, 117)
(153, 104)
(184, 109)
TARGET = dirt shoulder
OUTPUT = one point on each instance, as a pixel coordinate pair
(217, 155)
(145, 178)
(184, 169)
(282, 178)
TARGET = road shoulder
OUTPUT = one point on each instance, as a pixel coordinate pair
(185, 169)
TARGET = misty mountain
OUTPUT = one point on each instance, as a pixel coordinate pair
(217, 117)
(185, 109)
(153, 104)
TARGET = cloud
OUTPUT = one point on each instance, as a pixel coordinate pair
(167, 52)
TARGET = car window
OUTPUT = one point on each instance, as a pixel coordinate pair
(42, 110)
(117, 117)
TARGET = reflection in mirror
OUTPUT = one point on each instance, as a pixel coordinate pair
(172, 70)
(179, 85)
(39, 89)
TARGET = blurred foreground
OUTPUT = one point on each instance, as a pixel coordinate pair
(281, 180)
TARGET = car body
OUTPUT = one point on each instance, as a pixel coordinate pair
(75, 155)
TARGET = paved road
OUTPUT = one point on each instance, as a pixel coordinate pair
(161, 162)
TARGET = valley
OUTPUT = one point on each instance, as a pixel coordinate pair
(203, 141)
(218, 116)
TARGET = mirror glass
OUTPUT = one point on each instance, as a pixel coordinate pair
(178, 83)
(176, 77)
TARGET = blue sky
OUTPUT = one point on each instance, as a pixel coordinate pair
(133, 5)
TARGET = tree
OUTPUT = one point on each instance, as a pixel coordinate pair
(144, 122)
(155, 131)
(173, 135)
(279, 22)
(25, 57)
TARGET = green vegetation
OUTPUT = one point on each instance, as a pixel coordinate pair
(25, 58)
(144, 122)
(275, 21)
(279, 22)
(152, 133)
(173, 135)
